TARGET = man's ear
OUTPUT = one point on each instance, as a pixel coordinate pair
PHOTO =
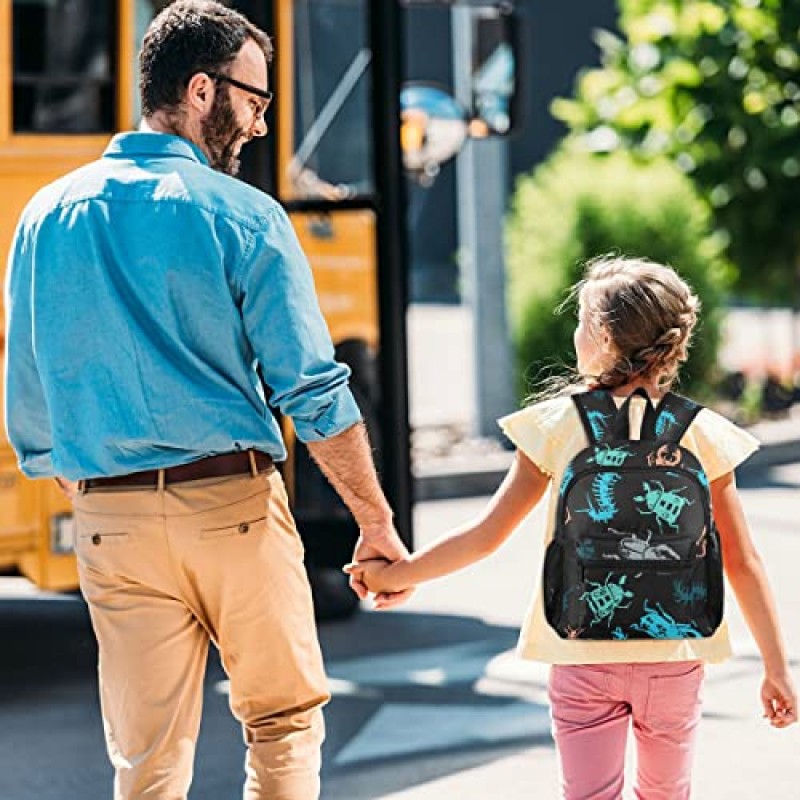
(199, 93)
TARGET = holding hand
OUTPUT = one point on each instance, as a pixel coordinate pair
(380, 576)
(378, 542)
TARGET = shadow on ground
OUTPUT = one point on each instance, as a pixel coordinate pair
(406, 707)
(413, 702)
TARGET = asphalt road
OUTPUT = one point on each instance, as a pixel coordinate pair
(428, 700)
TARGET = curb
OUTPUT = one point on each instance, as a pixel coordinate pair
(464, 479)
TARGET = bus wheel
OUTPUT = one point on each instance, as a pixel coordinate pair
(333, 597)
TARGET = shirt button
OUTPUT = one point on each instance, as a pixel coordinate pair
(244, 527)
(96, 538)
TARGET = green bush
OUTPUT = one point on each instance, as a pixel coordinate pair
(577, 206)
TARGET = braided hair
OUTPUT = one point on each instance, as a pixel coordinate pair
(649, 314)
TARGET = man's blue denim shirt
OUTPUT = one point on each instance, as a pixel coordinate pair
(144, 292)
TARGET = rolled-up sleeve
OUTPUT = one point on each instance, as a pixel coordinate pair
(27, 420)
(289, 336)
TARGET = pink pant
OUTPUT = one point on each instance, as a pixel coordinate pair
(592, 707)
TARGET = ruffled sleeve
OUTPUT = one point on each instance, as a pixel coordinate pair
(544, 432)
(719, 444)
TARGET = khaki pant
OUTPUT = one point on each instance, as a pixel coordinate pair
(164, 572)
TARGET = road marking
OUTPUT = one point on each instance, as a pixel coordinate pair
(439, 666)
(403, 729)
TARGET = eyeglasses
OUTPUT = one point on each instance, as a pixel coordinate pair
(264, 94)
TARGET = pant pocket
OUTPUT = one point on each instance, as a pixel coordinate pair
(242, 527)
(104, 543)
(674, 701)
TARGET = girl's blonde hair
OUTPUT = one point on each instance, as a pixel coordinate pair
(649, 313)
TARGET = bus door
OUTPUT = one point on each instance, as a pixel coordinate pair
(331, 171)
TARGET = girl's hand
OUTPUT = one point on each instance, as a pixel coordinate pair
(369, 547)
(377, 575)
(779, 698)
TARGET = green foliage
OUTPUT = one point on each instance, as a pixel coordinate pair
(578, 206)
(716, 87)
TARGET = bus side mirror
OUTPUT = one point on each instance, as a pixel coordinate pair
(433, 129)
(434, 125)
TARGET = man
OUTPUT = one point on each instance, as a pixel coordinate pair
(144, 292)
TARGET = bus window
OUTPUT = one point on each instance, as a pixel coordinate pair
(63, 66)
(332, 154)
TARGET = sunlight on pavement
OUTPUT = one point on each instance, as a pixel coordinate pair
(401, 729)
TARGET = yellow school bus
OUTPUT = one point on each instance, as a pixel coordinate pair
(68, 81)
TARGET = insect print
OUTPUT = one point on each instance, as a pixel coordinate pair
(668, 455)
(702, 544)
(607, 456)
(701, 476)
(688, 593)
(585, 549)
(602, 506)
(605, 598)
(664, 421)
(657, 623)
(665, 505)
(636, 549)
(618, 634)
(598, 423)
(569, 474)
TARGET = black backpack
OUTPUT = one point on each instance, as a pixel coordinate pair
(635, 554)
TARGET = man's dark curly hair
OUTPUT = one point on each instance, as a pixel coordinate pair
(187, 37)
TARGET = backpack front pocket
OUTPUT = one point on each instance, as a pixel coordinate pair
(643, 600)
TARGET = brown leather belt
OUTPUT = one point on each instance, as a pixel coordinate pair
(210, 467)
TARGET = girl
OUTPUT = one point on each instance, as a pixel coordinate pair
(635, 324)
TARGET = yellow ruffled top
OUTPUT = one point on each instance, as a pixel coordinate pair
(551, 435)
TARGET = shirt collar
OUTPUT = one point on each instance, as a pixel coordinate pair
(146, 143)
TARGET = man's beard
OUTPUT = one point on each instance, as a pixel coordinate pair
(221, 132)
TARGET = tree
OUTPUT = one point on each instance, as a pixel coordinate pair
(577, 206)
(716, 87)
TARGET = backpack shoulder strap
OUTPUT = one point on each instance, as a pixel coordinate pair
(598, 412)
(673, 415)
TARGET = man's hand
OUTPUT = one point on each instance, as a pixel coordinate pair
(70, 488)
(379, 541)
(346, 461)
